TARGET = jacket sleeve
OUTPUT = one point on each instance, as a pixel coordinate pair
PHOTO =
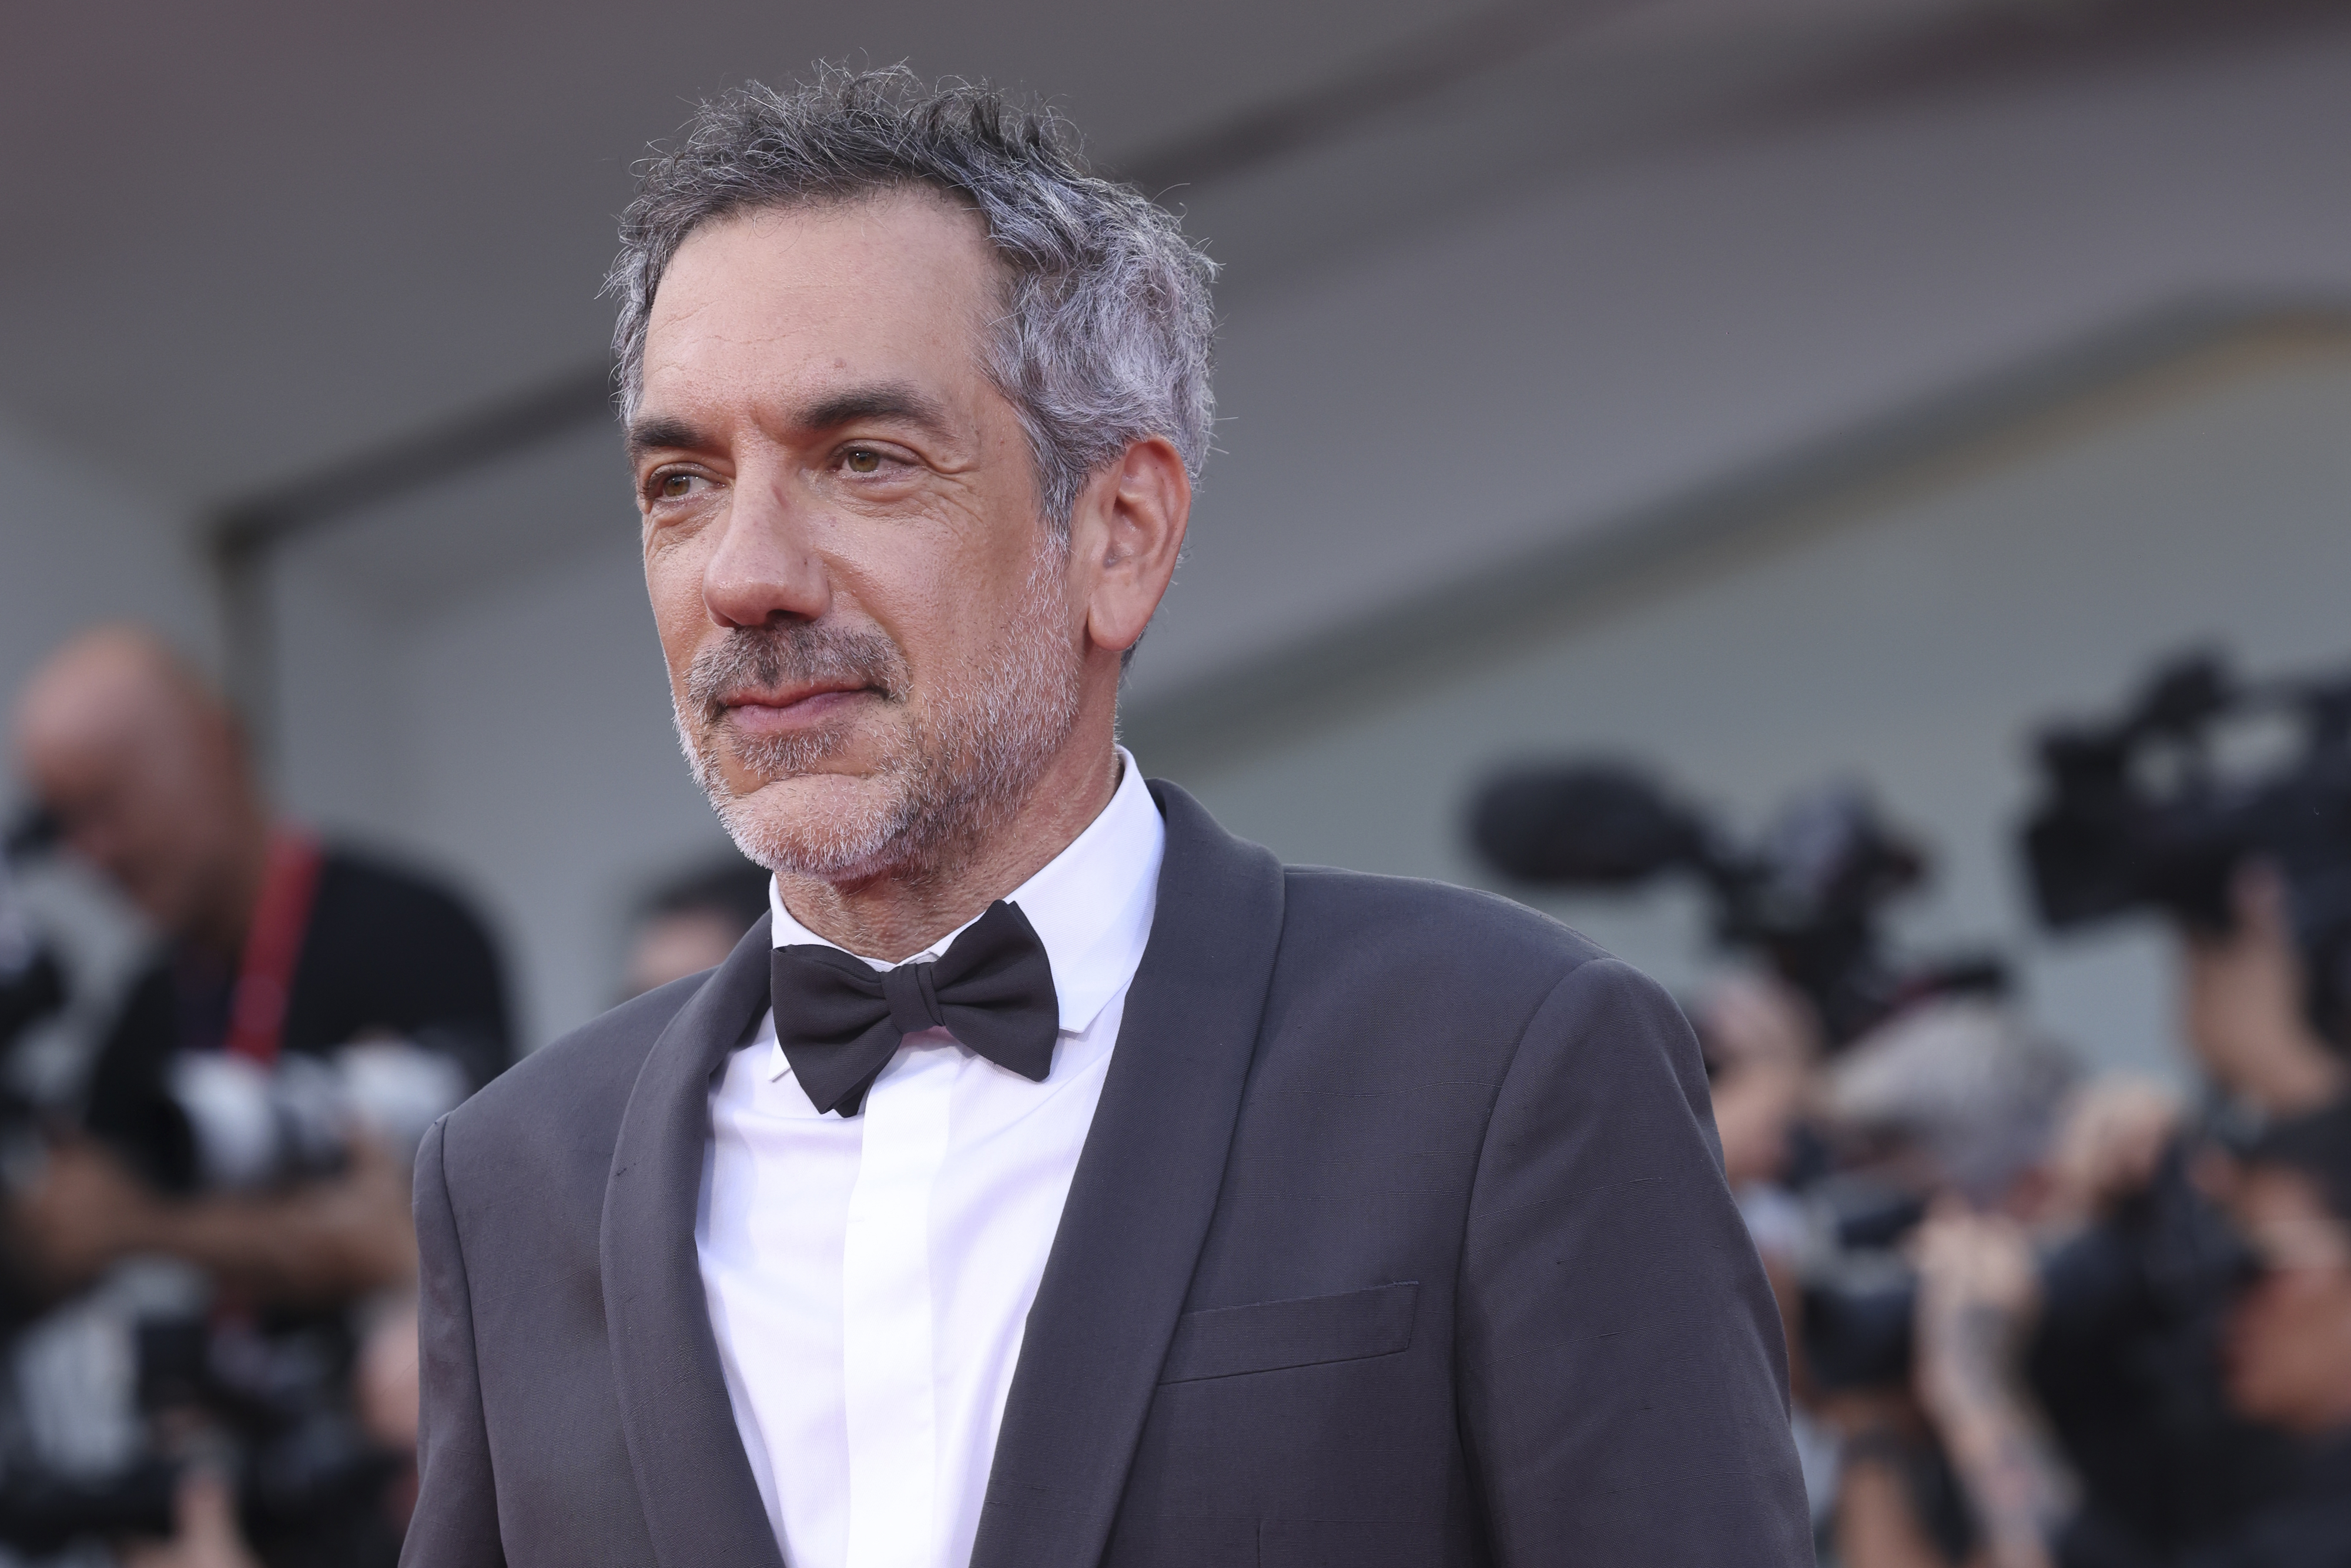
(456, 1524)
(1623, 1377)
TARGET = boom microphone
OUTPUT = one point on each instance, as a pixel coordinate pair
(1592, 824)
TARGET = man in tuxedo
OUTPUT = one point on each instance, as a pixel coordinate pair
(1052, 1179)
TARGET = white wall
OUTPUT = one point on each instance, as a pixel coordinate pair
(1909, 642)
(77, 545)
(1602, 330)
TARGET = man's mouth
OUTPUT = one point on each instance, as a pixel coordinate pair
(788, 710)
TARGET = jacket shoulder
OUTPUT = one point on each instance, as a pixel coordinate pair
(1424, 960)
(1460, 926)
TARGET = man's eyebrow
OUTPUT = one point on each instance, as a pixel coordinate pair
(887, 400)
(901, 403)
(662, 434)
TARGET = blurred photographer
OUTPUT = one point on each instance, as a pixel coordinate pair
(2266, 1334)
(2288, 1359)
(2224, 805)
(1953, 1101)
(272, 949)
(252, 1111)
(1956, 1111)
(690, 924)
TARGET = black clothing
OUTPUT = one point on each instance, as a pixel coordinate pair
(1400, 1240)
(384, 952)
(2126, 1365)
(2309, 1526)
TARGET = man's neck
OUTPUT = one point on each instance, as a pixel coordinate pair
(893, 916)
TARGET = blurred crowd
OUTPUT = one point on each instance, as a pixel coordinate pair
(2036, 1318)
(207, 1314)
(2041, 1318)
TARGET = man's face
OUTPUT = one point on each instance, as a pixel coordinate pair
(872, 643)
(144, 796)
(2288, 1349)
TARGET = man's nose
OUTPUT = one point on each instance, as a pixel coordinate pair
(766, 566)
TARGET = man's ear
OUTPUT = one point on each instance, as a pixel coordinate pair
(1125, 535)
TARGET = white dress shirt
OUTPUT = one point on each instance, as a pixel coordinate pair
(869, 1278)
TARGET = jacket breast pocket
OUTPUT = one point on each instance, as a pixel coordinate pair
(1266, 1336)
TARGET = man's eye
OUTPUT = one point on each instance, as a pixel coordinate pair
(863, 460)
(675, 486)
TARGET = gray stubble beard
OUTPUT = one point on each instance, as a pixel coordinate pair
(960, 779)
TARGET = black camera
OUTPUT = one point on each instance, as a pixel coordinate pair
(271, 1403)
(2164, 1258)
(2157, 807)
(1809, 895)
(2122, 1351)
(272, 1395)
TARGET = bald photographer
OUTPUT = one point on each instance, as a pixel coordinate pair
(274, 949)
(252, 1112)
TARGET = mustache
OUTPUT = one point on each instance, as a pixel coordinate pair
(764, 658)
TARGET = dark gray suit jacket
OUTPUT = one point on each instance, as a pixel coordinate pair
(1400, 1239)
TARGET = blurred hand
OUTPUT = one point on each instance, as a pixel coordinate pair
(1978, 1294)
(1764, 1044)
(2112, 1138)
(207, 1535)
(385, 1380)
(2242, 1006)
(86, 1211)
(332, 1241)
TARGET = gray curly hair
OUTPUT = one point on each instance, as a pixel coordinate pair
(1105, 337)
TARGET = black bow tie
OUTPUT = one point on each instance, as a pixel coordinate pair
(839, 1019)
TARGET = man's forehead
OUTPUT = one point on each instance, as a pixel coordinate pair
(802, 308)
(106, 686)
(907, 259)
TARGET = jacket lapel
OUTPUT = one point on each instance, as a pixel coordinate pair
(1140, 1202)
(701, 1505)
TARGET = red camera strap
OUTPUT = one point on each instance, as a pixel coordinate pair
(265, 977)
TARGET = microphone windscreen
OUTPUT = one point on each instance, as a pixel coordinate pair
(1596, 824)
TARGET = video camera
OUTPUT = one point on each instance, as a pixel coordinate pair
(1808, 894)
(2157, 807)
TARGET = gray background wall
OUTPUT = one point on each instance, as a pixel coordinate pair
(1620, 264)
(1904, 636)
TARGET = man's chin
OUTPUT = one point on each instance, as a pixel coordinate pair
(812, 791)
(832, 826)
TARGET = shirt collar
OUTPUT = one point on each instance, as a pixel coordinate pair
(1090, 906)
